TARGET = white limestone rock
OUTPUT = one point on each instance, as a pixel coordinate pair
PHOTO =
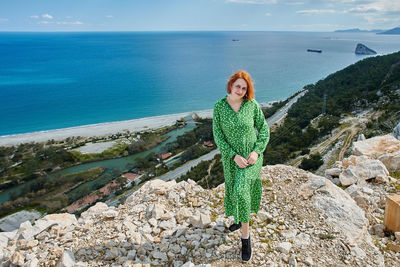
(384, 148)
(340, 209)
(67, 259)
(284, 247)
(357, 169)
(17, 258)
(62, 219)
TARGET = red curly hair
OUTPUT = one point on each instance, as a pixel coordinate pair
(245, 76)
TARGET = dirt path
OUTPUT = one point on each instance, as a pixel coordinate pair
(353, 129)
(208, 173)
(347, 143)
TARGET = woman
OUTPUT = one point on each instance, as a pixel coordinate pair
(234, 119)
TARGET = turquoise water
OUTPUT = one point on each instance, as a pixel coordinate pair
(57, 80)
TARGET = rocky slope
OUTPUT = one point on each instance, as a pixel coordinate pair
(304, 220)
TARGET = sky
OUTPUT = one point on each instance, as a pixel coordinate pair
(197, 15)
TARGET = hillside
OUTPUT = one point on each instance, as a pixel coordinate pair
(368, 86)
(392, 31)
(171, 224)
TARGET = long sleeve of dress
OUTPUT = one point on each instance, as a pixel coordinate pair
(263, 131)
(219, 137)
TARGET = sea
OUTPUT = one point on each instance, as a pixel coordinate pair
(56, 80)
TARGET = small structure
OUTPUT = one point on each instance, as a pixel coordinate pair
(392, 213)
(130, 177)
(208, 144)
(165, 155)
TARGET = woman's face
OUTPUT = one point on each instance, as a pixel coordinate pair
(239, 89)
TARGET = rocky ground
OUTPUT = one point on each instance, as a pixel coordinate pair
(304, 220)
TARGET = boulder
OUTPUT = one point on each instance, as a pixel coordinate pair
(384, 148)
(340, 209)
(391, 161)
(396, 131)
(357, 169)
(62, 219)
(376, 146)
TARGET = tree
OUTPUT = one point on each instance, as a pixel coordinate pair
(313, 163)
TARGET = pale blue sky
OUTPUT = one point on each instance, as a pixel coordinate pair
(178, 15)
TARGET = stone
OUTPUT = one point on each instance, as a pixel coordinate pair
(289, 234)
(112, 254)
(293, 261)
(334, 172)
(396, 131)
(159, 255)
(340, 209)
(309, 261)
(155, 211)
(40, 226)
(358, 252)
(26, 244)
(110, 214)
(204, 220)
(384, 148)
(183, 214)
(188, 264)
(378, 230)
(301, 240)
(170, 224)
(361, 137)
(263, 215)
(357, 169)
(62, 219)
(131, 254)
(136, 238)
(17, 258)
(391, 161)
(67, 259)
(393, 247)
(153, 222)
(376, 146)
(32, 263)
(98, 208)
(284, 247)
(397, 235)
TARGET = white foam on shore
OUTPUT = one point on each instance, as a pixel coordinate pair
(106, 128)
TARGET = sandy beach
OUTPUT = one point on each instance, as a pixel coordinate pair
(105, 129)
(101, 129)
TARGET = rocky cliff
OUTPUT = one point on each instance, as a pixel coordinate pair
(304, 220)
(364, 50)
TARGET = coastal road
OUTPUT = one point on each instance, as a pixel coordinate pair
(282, 111)
(178, 172)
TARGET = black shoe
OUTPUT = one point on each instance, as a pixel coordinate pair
(235, 226)
(246, 249)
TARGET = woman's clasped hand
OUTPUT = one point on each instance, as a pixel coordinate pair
(244, 162)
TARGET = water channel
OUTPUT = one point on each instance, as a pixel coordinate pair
(120, 164)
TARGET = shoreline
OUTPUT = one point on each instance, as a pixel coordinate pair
(105, 128)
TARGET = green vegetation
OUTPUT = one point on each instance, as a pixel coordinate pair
(49, 195)
(312, 163)
(199, 173)
(370, 83)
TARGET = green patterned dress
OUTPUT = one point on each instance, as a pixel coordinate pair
(234, 133)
